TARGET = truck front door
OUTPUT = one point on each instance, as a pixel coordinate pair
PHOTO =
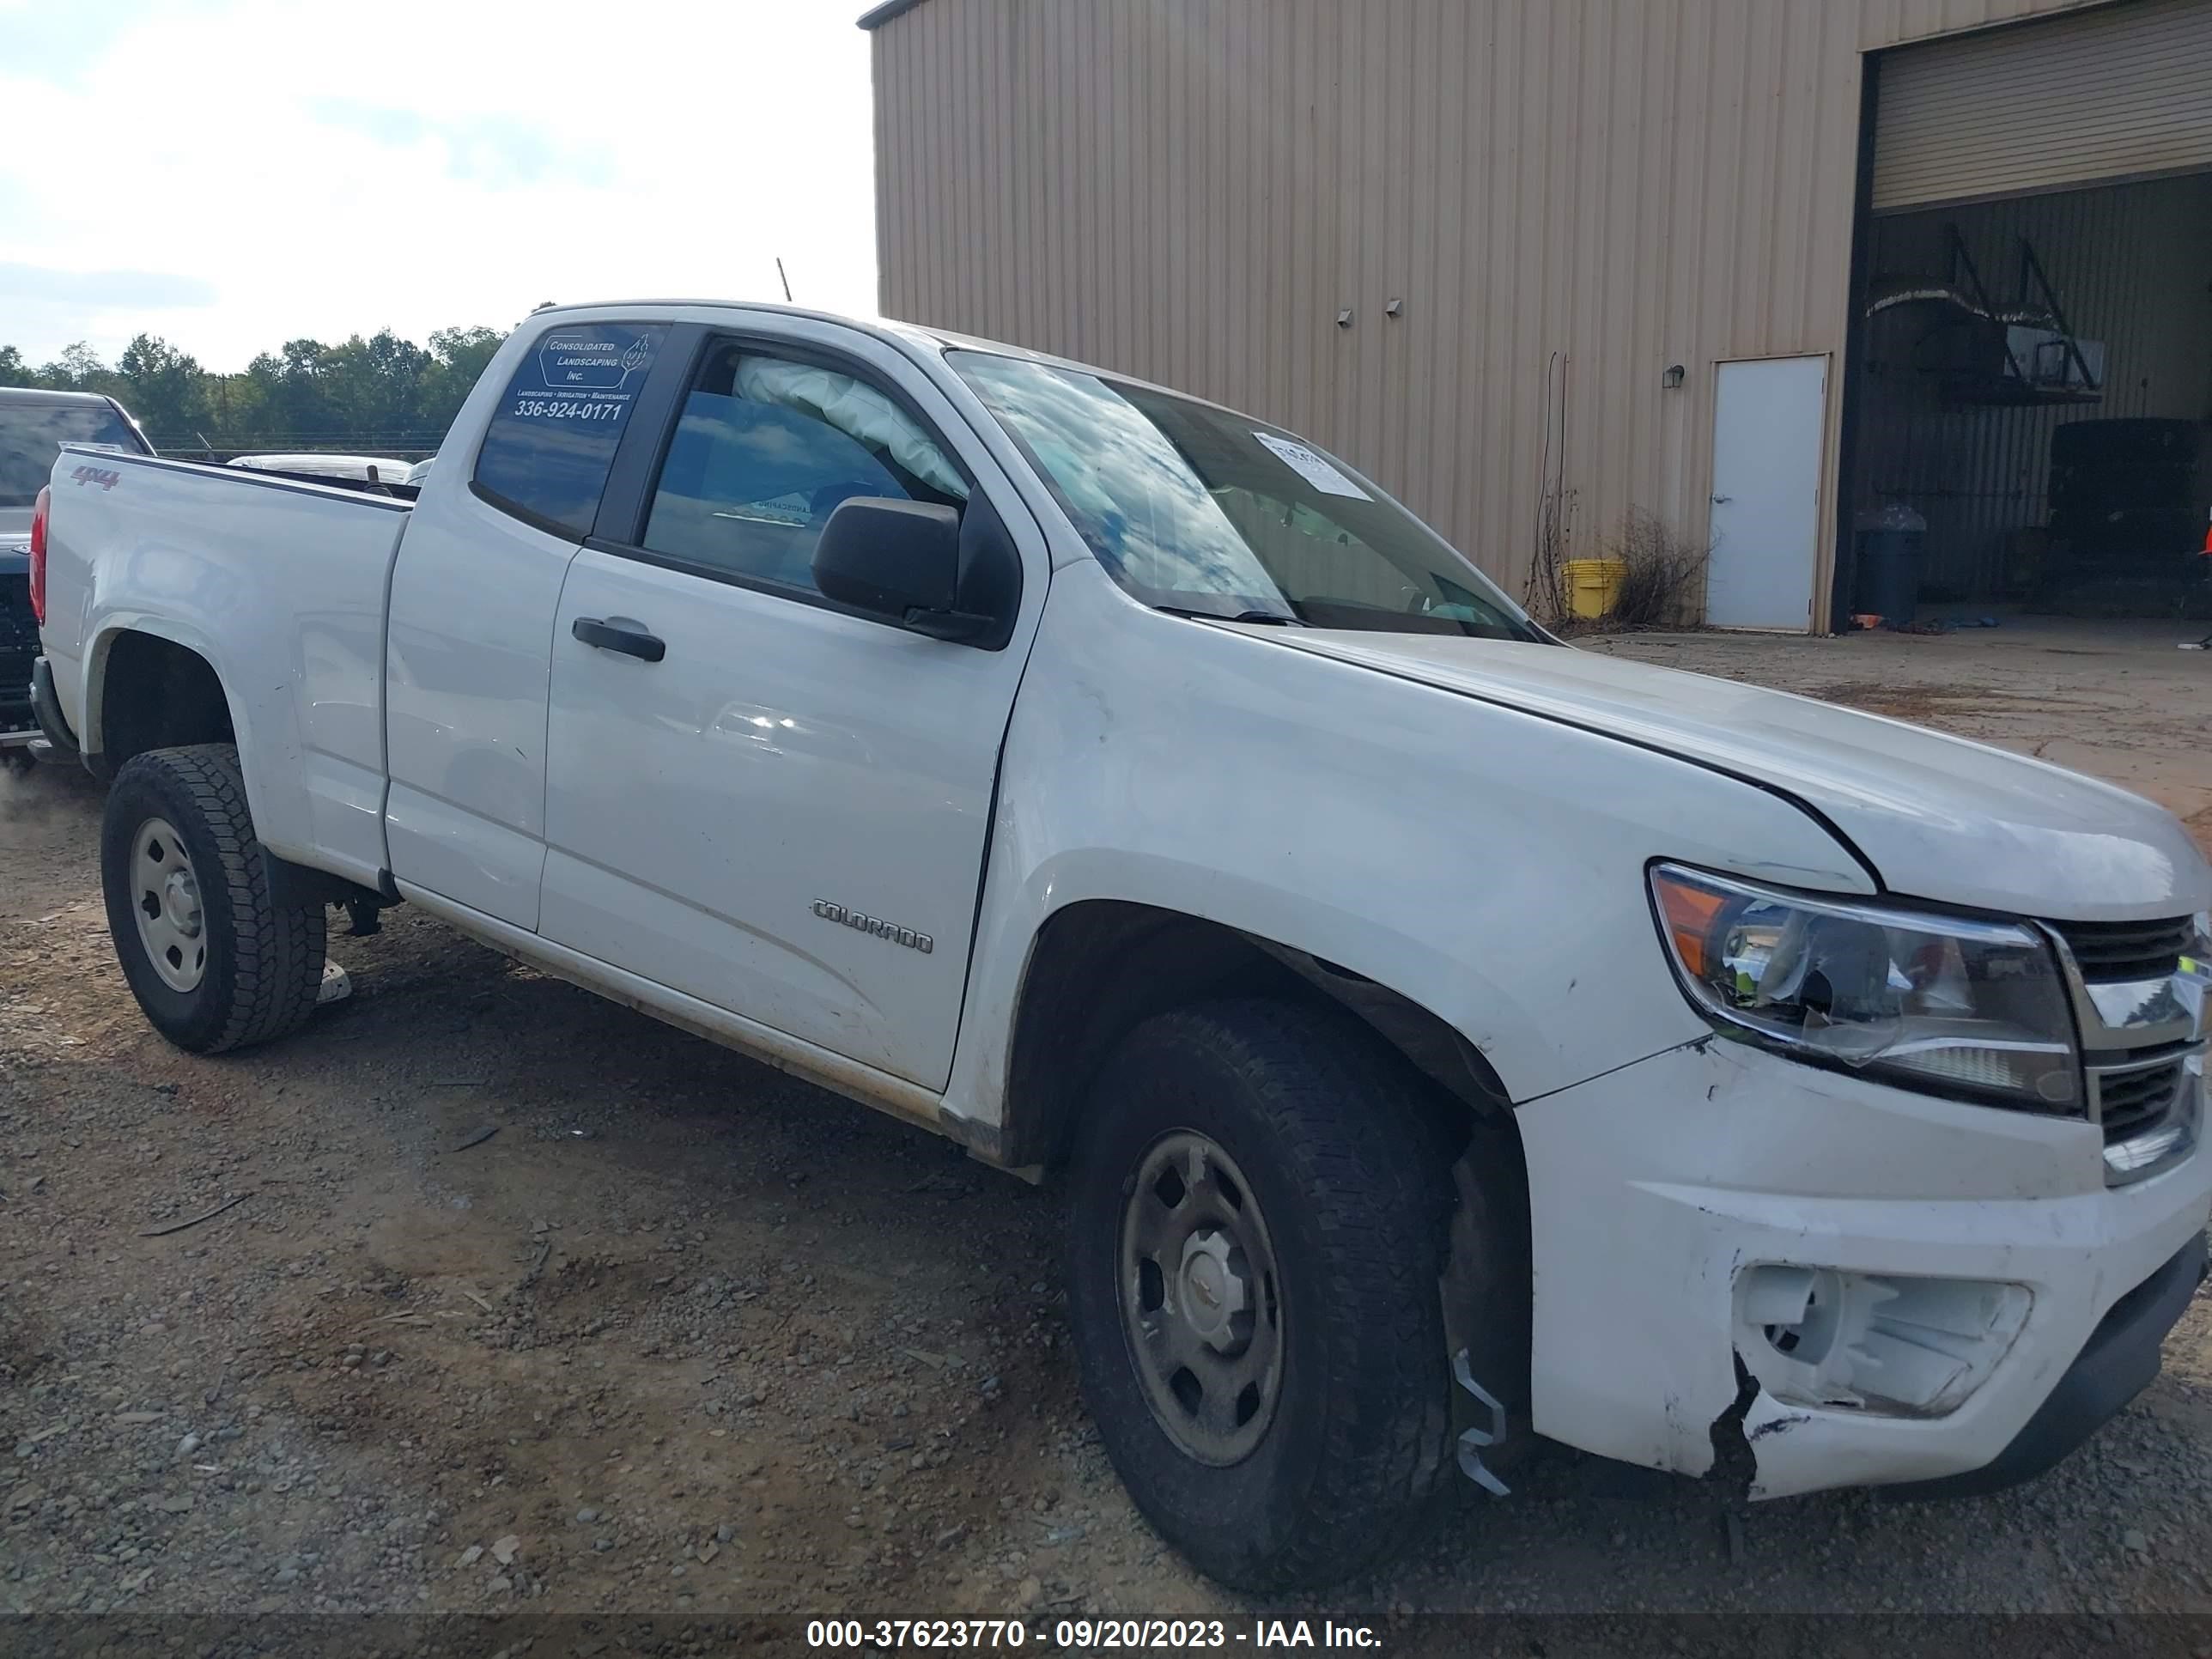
(756, 796)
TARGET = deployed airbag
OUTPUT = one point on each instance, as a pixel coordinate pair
(860, 412)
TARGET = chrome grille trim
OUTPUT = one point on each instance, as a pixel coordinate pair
(2142, 1040)
(2106, 951)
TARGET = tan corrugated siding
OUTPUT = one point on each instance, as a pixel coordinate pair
(2011, 113)
(1189, 189)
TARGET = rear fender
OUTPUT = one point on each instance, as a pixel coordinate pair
(263, 726)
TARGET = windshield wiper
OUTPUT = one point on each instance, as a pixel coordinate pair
(1277, 617)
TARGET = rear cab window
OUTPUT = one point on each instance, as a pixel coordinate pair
(32, 433)
(551, 442)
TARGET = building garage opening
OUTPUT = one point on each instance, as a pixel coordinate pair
(2033, 395)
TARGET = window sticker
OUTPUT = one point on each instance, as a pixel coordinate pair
(1315, 468)
(589, 374)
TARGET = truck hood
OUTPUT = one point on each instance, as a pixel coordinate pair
(1938, 817)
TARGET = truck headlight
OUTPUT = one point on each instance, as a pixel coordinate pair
(1936, 1002)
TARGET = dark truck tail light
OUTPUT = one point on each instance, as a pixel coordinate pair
(38, 554)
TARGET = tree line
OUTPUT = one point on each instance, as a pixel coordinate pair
(381, 395)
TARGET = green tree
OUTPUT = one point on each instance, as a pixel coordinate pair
(375, 386)
(78, 369)
(291, 399)
(376, 392)
(164, 389)
(458, 359)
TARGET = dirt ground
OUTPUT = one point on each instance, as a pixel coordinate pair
(683, 1333)
(2114, 699)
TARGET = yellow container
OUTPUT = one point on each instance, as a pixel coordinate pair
(1593, 586)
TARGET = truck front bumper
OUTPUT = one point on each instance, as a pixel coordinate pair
(1997, 1300)
(19, 722)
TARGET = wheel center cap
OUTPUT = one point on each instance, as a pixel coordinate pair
(1213, 1290)
(180, 902)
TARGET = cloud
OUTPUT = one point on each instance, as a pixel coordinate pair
(55, 43)
(471, 162)
(104, 290)
(497, 152)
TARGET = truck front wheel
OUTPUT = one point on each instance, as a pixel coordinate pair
(214, 961)
(1258, 1225)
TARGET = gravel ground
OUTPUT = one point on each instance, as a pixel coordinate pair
(685, 1335)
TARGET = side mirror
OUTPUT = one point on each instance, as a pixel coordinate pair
(918, 565)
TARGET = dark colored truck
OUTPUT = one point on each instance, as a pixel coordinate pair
(34, 426)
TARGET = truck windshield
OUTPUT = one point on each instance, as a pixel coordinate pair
(1194, 509)
(31, 435)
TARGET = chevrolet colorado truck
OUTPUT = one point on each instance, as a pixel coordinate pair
(1444, 1036)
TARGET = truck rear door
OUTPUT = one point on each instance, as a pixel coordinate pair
(473, 597)
(756, 796)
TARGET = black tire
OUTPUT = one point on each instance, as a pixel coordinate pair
(1323, 1124)
(263, 964)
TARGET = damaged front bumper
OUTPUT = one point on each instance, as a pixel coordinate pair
(1748, 1267)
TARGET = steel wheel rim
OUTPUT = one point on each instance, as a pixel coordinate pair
(1201, 1299)
(165, 897)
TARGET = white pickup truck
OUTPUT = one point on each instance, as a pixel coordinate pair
(1448, 1035)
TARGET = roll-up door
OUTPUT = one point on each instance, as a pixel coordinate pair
(2121, 91)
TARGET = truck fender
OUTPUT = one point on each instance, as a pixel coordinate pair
(251, 725)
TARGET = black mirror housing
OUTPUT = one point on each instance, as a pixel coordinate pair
(934, 569)
(888, 558)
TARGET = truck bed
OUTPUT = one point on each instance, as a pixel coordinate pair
(279, 583)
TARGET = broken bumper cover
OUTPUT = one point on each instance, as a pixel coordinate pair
(2121, 1360)
(1656, 1188)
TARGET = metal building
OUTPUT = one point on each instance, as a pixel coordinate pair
(1760, 268)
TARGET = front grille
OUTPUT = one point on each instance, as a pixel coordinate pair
(2110, 952)
(19, 648)
(2131, 1101)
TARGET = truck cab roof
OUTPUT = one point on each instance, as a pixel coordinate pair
(37, 395)
(934, 341)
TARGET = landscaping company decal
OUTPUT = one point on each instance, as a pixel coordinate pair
(589, 374)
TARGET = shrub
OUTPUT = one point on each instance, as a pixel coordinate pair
(1663, 584)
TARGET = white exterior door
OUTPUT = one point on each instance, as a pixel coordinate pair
(778, 758)
(1769, 419)
(741, 776)
(469, 642)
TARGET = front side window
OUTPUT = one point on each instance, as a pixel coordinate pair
(766, 448)
(1193, 508)
(553, 436)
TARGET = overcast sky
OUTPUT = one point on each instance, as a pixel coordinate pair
(233, 173)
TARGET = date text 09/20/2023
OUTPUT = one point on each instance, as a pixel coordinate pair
(1087, 1634)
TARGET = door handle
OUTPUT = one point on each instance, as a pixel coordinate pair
(1723, 501)
(630, 641)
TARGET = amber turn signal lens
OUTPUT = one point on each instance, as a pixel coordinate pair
(1689, 913)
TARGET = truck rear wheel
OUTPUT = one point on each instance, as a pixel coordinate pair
(214, 961)
(1258, 1225)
